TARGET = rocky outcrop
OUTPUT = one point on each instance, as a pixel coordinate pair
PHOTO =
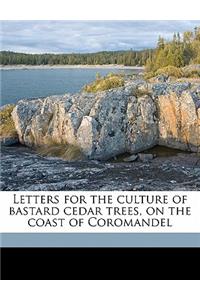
(179, 122)
(128, 119)
(24, 170)
(178, 115)
(103, 125)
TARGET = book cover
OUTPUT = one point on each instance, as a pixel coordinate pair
(100, 141)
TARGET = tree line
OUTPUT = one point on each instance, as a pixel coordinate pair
(127, 58)
(182, 50)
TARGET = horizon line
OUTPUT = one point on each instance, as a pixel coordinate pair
(81, 53)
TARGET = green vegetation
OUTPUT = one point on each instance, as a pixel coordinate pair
(171, 56)
(104, 83)
(174, 72)
(7, 128)
(127, 58)
(64, 151)
(170, 71)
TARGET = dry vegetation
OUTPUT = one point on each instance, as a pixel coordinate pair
(64, 151)
(104, 83)
(175, 72)
(7, 128)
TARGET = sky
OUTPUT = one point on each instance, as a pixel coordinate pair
(86, 36)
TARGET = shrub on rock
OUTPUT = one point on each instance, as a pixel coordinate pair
(105, 83)
(170, 71)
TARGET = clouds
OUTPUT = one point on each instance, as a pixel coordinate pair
(86, 36)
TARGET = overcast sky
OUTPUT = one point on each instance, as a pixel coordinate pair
(86, 36)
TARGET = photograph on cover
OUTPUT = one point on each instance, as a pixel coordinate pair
(100, 105)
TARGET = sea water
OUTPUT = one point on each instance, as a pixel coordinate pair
(34, 83)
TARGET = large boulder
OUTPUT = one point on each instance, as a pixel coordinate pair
(54, 119)
(179, 120)
(128, 119)
(102, 125)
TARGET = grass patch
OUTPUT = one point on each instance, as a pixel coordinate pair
(64, 151)
(7, 127)
(104, 83)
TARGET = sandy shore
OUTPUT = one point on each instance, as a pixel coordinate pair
(30, 67)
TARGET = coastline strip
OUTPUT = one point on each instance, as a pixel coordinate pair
(40, 67)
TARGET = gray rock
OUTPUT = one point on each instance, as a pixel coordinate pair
(178, 87)
(145, 157)
(197, 103)
(24, 170)
(102, 125)
(131, 158)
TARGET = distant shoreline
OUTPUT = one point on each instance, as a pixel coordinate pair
(41, 67)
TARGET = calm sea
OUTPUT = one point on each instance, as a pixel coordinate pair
(21, 84)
